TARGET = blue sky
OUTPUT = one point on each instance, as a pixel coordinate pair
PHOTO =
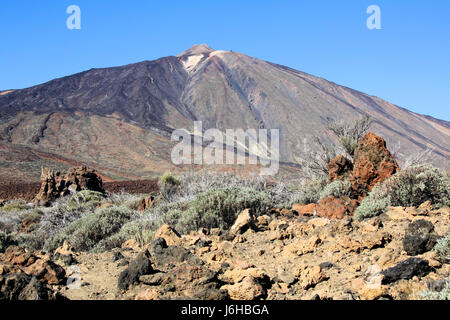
(406, 62)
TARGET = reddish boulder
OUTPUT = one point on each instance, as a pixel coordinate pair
(334, 208)
(305, 209)
(373, 163)
(339, 168)
(147, 202)
(47, 271)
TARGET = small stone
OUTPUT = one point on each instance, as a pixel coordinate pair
(244, 221)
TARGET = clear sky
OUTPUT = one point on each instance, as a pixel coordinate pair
(406, 62)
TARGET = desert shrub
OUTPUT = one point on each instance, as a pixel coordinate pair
(218, 208)
(15, 205)
(168, 184)
(62, 213)
(10, 221)
(443, 294)
(372, 205)
(32, 219)
(86, 232)
(349, 133)
(124, 199)
(415, 185)
(4, 241)
(442, 248)
(310, 190)
(30, 241)
(336, 188)
(140, 230)
(317, 155)
(409, 187)
(85, 198)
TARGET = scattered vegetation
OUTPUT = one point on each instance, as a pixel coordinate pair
(409, 187)
(92, 221)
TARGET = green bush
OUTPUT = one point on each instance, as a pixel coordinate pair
(336, 188)
(407, 188)
(168, 184)
(218, 208)
(442, 248)
(86, 232)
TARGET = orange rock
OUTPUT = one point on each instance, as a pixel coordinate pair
(305, 210)
(146, 203)
(46, 271)
(169, 234)
(372, 163)
(334, 208)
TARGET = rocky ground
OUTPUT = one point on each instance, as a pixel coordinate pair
(271, 257)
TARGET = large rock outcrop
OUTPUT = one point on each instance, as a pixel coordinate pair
(55, 185)
(372, 163)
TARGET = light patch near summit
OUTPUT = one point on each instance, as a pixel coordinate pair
(192, 61)
(217, 52)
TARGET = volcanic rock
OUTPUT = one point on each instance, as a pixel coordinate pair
(419, 237)
(372, 163)
(406, 270)
(137, 267)
(339, 168)
(55, 185)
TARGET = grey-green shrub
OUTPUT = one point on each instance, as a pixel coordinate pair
(86, 232)
(407, 188)
(373, 205)
(444, 294)
(219, 208)
(86, 196)
(336, 188)
(442, 248)
(30, 241)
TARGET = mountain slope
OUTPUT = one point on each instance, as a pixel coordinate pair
(119, 120)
